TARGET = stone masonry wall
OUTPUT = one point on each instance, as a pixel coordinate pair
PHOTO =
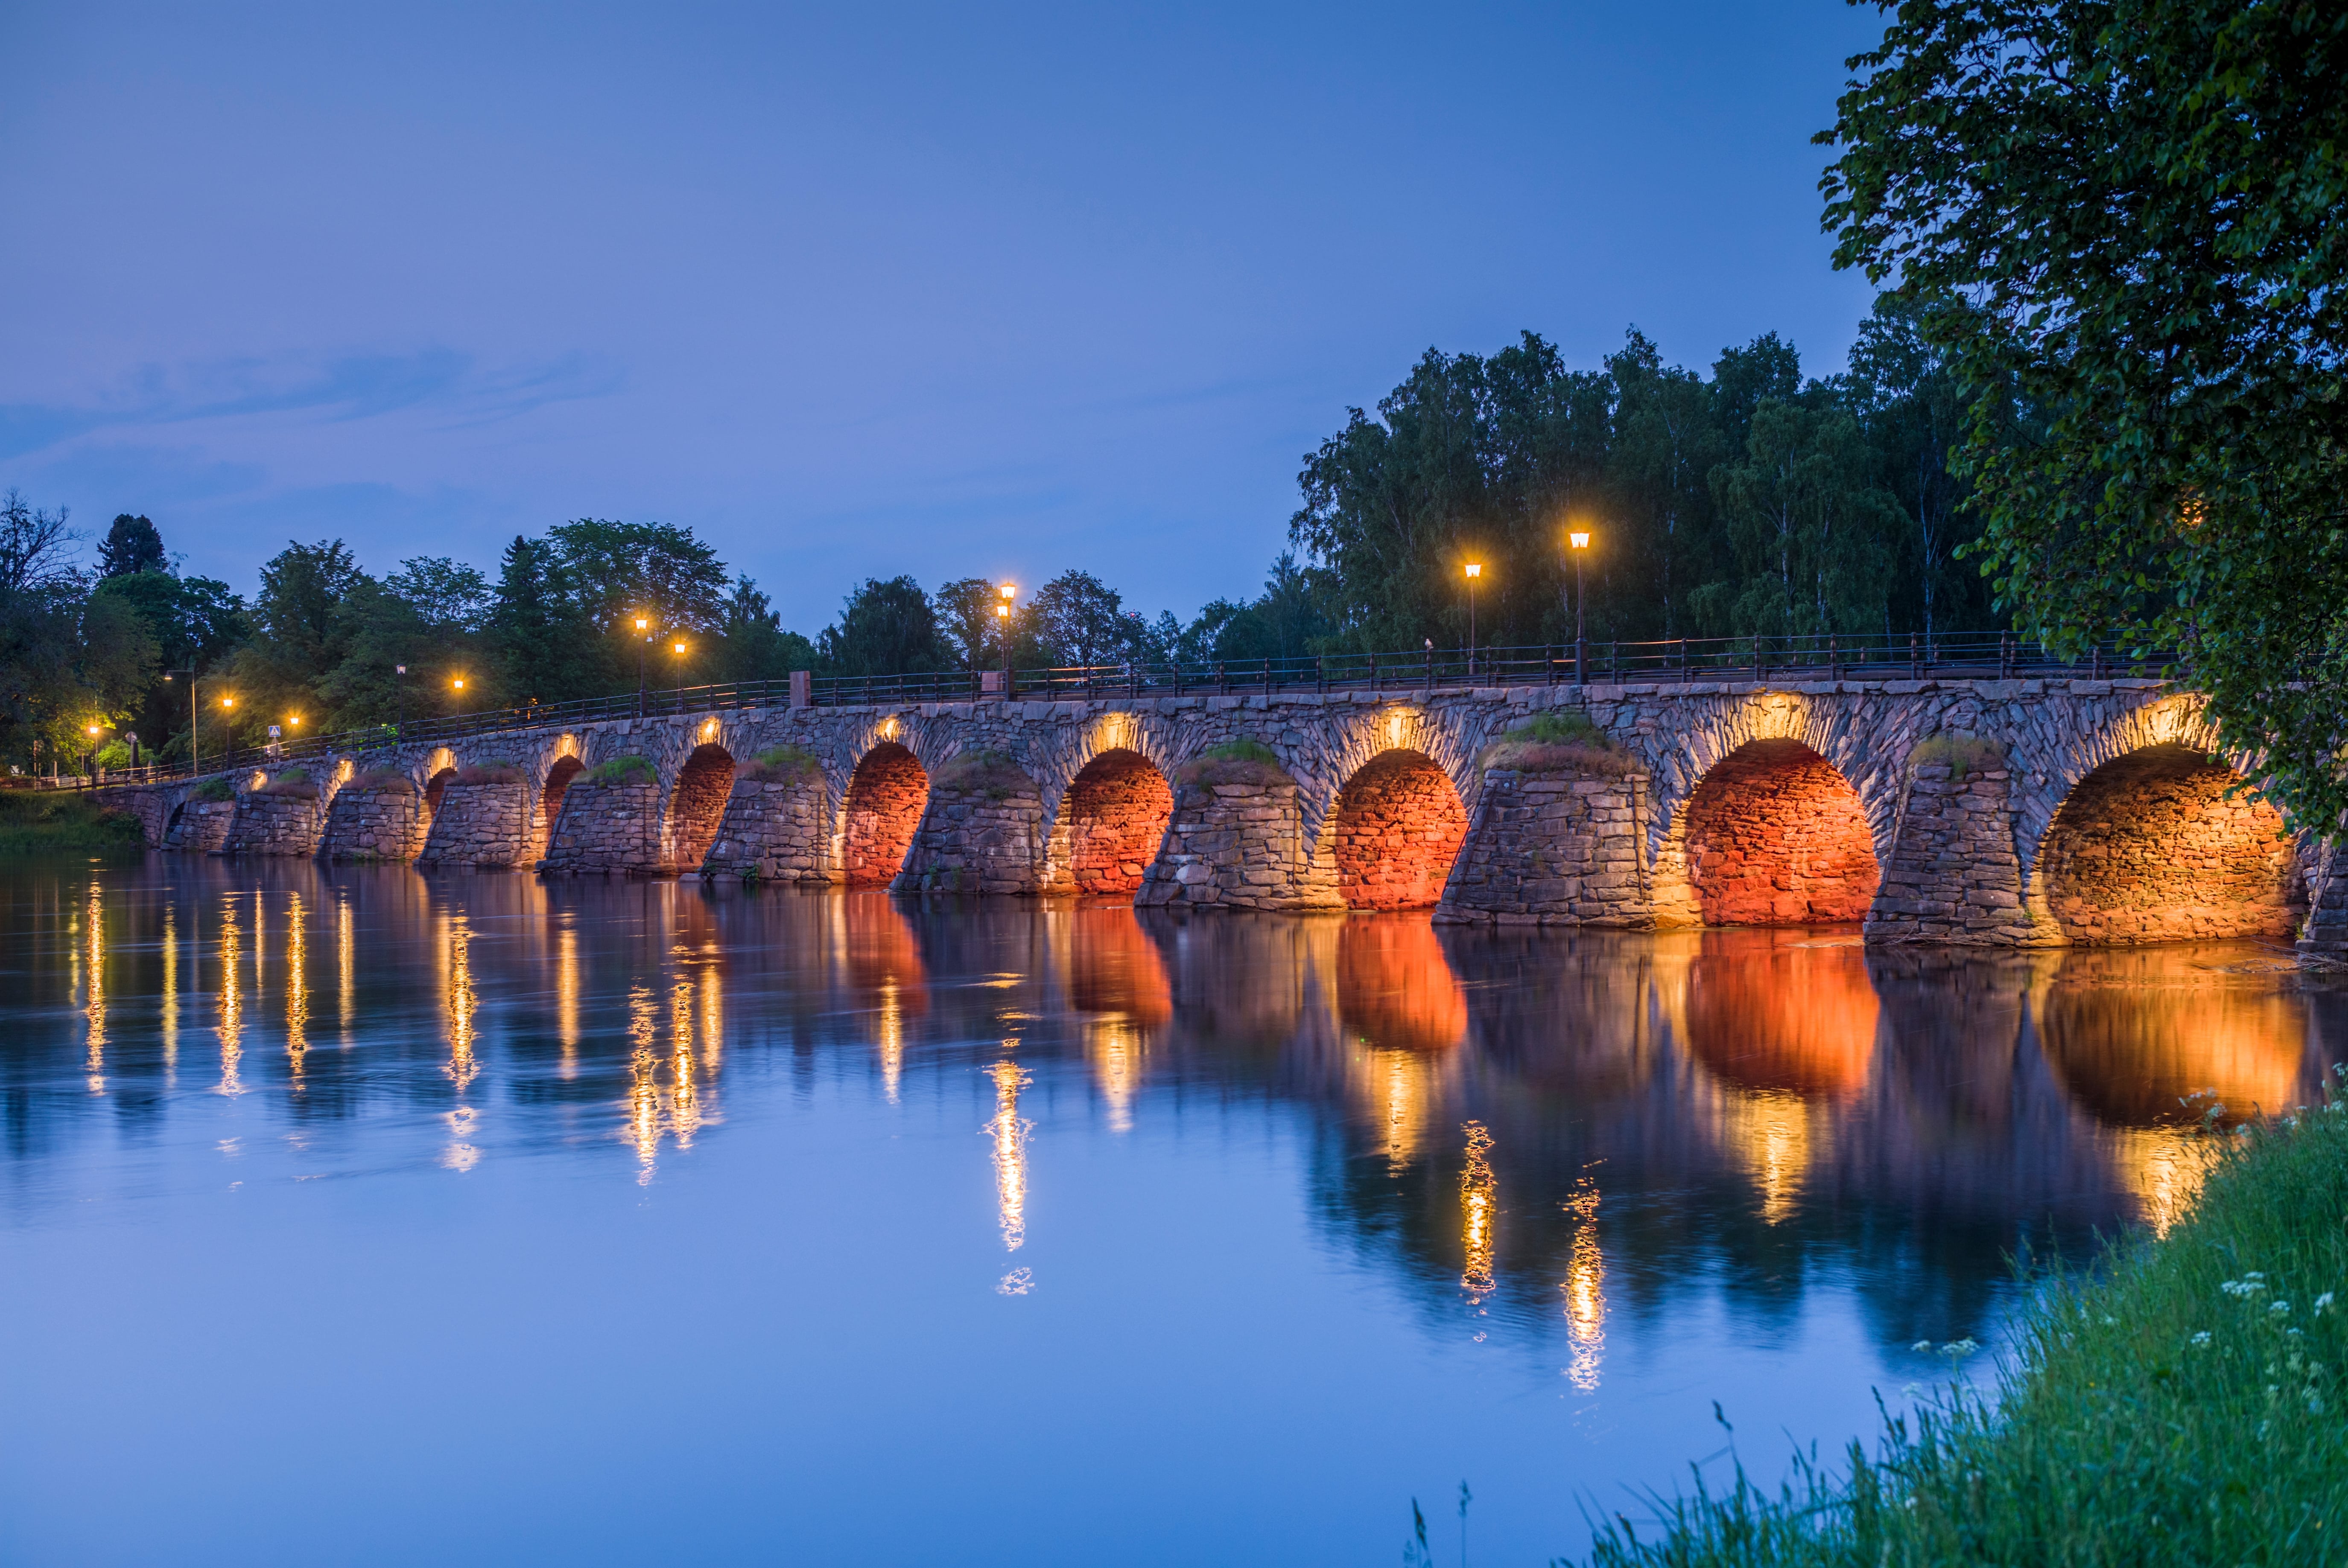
(977, 840)
(606, 827)
(2149, 849)
(772, 831)
(1555, 848)
(2326, 930)
(1399, 828)
(202, 826)
(486, 823)
(1954, 877)
(1775, 837)
(375, 821)
(1238, 845)
(276, 822)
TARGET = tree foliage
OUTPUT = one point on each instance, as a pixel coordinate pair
(2118, 220)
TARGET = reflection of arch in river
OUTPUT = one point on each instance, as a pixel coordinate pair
(1117, 986)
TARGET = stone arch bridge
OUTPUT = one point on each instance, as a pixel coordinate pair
(1991, 812)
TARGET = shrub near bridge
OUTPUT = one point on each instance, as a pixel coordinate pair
(618, 771)
(1563, 739)
(2185, 1403)
(781, 765)
(44, 822)
(1242, 761)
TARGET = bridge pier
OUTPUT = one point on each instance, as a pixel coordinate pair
(485, 820)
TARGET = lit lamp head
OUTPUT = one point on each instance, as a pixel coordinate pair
(228, 701)
(680, 648)
(458, 682)
(400, 669)
(296, 721)
(1009, 591)
(93, 732)
(1003, 611)
(1579, 540)
(642, 624)
(1475, 569)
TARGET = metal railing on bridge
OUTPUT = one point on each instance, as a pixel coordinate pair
(1991, 654)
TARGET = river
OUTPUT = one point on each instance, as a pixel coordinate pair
(355, 1215)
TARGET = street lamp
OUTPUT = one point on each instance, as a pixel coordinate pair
(92, 769)
(458, 686)
(1009, 591)
(195, 747)
(1577, 542)
(679, 648)
(1474, 570)
(643, 625)
(399, 701)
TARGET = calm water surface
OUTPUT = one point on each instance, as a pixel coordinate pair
(358, 1217)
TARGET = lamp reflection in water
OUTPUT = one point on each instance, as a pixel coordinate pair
(94, 987)
(1114, 1047)
(893, 1039)
(346, 969)
(566, 994)
(1480, 1192)
(298, 990)
(169, 1010)
(231, 1028)
(643, 1082)
(1585, 1290)
(1403, 1011)
(1010, 1135)
(462, 1001)
(685, 1102)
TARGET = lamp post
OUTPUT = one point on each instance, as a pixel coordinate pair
(644, 645)
(195, 750)
(679, 648)
(92, 770)
(1474, 570)
(1008, 591)
(1579, 543)
(399, 703)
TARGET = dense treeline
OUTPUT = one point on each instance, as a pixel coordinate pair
(1748, 501)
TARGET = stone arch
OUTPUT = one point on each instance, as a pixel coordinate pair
(1775, 834)
(879, 812)
(1394, 831)
(565, 768)
(696, 804)
(2161, 842)
(443, 774)
(1111, 824)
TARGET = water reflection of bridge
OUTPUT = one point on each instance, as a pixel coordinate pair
(1903, 1115)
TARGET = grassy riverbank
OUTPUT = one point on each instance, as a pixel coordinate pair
(36, 822)
(2188, 1404)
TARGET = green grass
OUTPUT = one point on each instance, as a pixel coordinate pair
(1961, 749)
(620, 771)
(983, 771)
(40, 823)
(782, 765)
(1558, 740)
(1241, 760)
(2181, 1403)
(214, 789)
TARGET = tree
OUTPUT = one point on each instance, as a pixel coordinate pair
(548, 648)
(444, 593)
(966, 620)
(1666, 441)
(1081, 621)
(2120, 220)
(1816, 536)
(131, 545)
(36, 548)
(886, 628)
(753, 645)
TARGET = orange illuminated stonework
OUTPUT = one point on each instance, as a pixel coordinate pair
(697, 804)
(1117, 811)
(1399, 828)
(2148, 849)
(882, 812)
(1771, 1015)
(1775, 837)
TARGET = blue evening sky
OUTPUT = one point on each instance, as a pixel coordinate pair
(950, 290)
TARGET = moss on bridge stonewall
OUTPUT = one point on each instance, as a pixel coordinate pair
(38, 823)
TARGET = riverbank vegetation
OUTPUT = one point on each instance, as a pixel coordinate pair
(2184, 1402)
(44, 823)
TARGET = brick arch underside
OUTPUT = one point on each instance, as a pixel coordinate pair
(881, 815)
(1116, 809)
(436, 787)
(1396, 832)
(2148, 849)
(549, 797)
(1776, 836)
(697, 804)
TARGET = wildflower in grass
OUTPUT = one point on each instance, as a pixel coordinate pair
(2202, 1338)
(1923, 1346)
(2249, 1284)
(2323, 1304)
(1958, 1348)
